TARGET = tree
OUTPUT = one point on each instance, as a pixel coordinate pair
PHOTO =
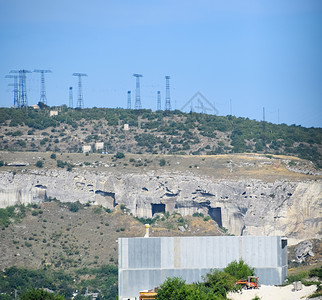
(34, 294)
(119, 155)
(172, 289)
(43, 105)
(73, 207)
(176, 289)
(239, 270)
(220, 283)
(162, 162)
(60, 164)
(39, 164)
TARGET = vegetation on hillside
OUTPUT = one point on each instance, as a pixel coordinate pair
(12, 213)
(40, 294)
(72, 243)
(153, 132)
(25, 282)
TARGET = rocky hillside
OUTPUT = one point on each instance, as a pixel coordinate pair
(144, 131)
(245, 194)
(67, 236)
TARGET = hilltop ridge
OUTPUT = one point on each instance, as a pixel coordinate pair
(144, 131)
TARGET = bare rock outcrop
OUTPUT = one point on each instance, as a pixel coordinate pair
(303, 250)
(244, 207)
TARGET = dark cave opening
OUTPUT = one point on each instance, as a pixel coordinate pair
(215, 214)
(157, 208)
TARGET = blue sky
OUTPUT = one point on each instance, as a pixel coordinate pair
(252, 54)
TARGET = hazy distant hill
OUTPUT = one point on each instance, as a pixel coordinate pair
(152, 132)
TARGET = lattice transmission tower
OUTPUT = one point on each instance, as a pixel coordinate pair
(80, 100)
(15, 89)
(129, 100)
(137, 92)
(23, 100)
(71, 97)
(43, 97)
(158, 100)
(167, 93)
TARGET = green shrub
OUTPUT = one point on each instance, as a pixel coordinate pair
(220, 283)
(172, 288)
(239, 270)
(123, 207)
(216, 285)
(162, 162)
(196, 214)
(70, 167)
(61, 164)
(35, 212)
(97, 210)
(292, 163)
(10, 214)
(316, 272)
(296, 277)
(147, 220)
(74, 207)
(40, 294)
(119, 155)
(39, 164)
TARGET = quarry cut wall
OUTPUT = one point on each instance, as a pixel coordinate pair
(244, 207)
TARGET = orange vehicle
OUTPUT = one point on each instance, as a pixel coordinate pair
(147, 295)
(250, 283)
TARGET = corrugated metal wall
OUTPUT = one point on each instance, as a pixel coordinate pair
(144, 263)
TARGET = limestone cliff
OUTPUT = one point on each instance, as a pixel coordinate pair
(243, 206)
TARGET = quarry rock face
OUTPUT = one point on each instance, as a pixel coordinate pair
(303, 250)
(243, 207)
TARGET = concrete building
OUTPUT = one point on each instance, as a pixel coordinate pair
(126, 127)
(53, 113)
(87, 148)
(99, 146)
(144, 263)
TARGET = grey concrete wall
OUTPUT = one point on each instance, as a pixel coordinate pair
(144, 263)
